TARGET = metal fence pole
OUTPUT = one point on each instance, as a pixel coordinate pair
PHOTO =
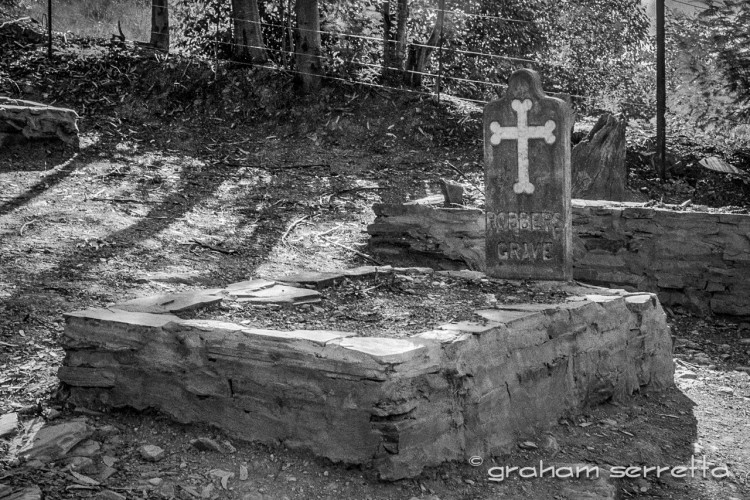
(440, 68)
(49, 29)
(661, 93)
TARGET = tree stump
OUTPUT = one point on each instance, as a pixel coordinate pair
(598, 162)
(33, 120)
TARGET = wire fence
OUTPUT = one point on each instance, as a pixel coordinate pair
(478, 82)
(436, 80)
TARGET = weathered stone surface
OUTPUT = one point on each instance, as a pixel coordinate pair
(387, 403)
(419, 235)
(112, 330)
(383, 350)
(317, 279)
(320, 337)
(20, 493)
(8, 424)
(87, 448)
(697, 260)
(248, 286)
(171, 302)
(35, 120)
(452, 192)
(598, 162)
(52, 442)
(279, 294)
(151, 452)
(527, 182)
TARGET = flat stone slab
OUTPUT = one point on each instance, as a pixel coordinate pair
(280, 294)
(321, 337)
(382, 349)
(250, 286)
(54, 441)
(328, 278)
(317, 279)
(131, 318)
(20, 493)
(172, 302)
(8, 424)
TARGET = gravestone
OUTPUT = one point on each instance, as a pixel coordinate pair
(527, 179)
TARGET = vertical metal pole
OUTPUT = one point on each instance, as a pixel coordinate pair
(661, 93)
(440, 68)
(49, 29)
(216, 49)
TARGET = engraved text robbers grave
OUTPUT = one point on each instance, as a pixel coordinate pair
(527, 175)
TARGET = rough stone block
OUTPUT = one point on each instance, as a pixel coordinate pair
(8, 424)
(34, 120)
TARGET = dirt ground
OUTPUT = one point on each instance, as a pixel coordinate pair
(177, 185)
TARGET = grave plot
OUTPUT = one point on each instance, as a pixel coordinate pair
(397, 403)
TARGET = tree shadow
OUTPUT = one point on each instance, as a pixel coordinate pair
(65, 163)
(73, 266)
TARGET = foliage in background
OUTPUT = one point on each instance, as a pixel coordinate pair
(202, 27)
(581, 47)
(595, 49)
(97, 18)
(727, 26)
(601, 52)
(708, 101)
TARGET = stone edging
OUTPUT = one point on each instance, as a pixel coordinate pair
(397, 405)
(697, 260)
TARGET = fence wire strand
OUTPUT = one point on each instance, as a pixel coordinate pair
(380, 67)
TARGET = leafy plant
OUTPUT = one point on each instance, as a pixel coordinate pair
(708, 103)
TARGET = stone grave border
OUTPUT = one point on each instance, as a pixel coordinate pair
(696, 260)
(394, 404)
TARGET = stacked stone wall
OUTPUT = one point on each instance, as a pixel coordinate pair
(698, 260)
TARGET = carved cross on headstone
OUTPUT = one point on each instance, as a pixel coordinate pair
(527, 174)
(522, 133)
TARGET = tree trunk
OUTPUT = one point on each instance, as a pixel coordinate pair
(598, 162)
(247, 37)
(394, 49)
(307, 53)
(388, 54)
(160, 24)
(419, 55)
(403, 18)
